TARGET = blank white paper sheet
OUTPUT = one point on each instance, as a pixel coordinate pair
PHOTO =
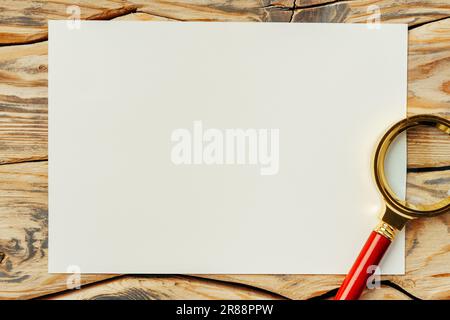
(220, 147)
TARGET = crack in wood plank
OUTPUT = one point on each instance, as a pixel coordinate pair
(154, 287)
(317, 4)
(395, 294)
(427, 22)
(293, 10)
(24, 160)
(84, 286)
(242, 285)
(427, 169)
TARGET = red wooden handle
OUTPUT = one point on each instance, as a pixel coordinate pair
(371, 254)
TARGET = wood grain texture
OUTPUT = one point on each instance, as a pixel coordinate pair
(23, 137)
(24, 234)
(181, 287)
(427, 240)
(428, 147)
(219, 10)
(383, 293)
(411, 12)
(164, 288)
(429, 92)
(427, 259)
(429, 68)
(292, 286)
(26, 21)
(428, 187)
(23, 103)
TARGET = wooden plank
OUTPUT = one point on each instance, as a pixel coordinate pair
(427, 240)
(429, 68)
(429, 91)
(181, 287)
(428, 187)
(164, 288)
(384, 293)
(218, 10)
(428, 147)
(24, 234)
(26, 21)
(411, 12)
(427, 259)
(292, 286)
(23, 103)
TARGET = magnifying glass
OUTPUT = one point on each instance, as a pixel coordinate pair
(396, 213)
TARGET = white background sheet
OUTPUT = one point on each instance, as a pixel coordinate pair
(117, 90)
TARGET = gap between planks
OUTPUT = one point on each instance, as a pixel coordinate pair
(231, 285)
(251, 291)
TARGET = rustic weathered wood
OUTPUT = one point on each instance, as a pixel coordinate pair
(23, 103)
(427, 259)
(26, 21)
(219, 10)
(23, 134)
(428, 147)
(291, 286)
(164, 288)
(428, 187)
(427, 240)
(429, 91)
(180, 287)
(412, 12)
(384, 293)
(24, 234)
(429, 68)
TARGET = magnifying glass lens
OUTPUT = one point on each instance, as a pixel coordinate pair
(428, 179)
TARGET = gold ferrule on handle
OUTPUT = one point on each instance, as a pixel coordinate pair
(386, 230)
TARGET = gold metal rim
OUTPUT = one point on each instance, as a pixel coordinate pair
(393, 202)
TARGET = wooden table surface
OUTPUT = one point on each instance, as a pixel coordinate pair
(23, 149)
